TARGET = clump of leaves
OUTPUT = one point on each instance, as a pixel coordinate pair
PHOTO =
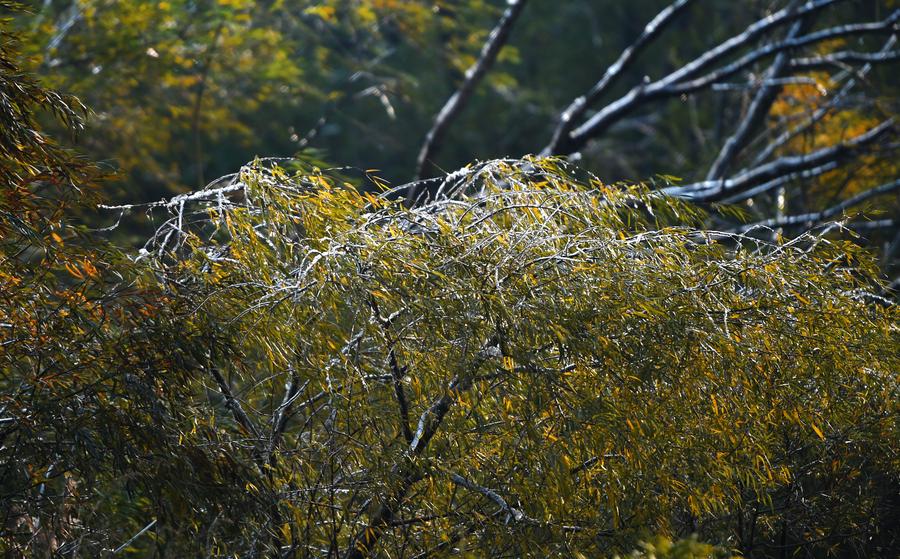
(26, 153)
(533, 364)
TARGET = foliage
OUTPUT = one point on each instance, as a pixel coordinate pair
(797, 102)
(89, 363)
(25, 154)
(537, 366)
(533, 364)
(663, 548)
(184, 89)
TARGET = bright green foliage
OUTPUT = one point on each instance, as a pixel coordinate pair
(539, 366)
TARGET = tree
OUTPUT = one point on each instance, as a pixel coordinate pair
(576, 127)
(184, 89)
(534, 365)
(92, 362)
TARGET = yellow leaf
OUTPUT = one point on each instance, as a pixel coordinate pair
(817, 430)
(74, 271)
(325, 12)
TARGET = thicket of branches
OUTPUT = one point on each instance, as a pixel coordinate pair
(534, 365)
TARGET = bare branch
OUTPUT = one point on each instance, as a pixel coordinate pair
(741, 40)
(473, 77)
(577, 108)
(397, 375)
(283, 413)
(204, 194)
(710, 191)
(134, 537)
(431, 419)
(819, 113)
(781, 181)
(674, 83)
(512, 512)
(886, 26)
(842, 58)
(756, 113)
(232, 403)
(813, 218)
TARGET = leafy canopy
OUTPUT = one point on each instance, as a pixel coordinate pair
(538, 364)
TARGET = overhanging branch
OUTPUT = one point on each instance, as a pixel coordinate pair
(812, 218)
(684, 80)
(759, 108)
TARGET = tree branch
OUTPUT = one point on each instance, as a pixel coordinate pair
(817, 217)
(198, 102)
(711, 191)
(842, 58)
(513, 512)
(885, 26)
(819, 113)
(431, 419)
(364, 542)
(577, 108)
(232, 404)
(283, 413)
(749, 35)
(473, 77)
(666, 86)
(757, 112)
(781, 181)
(397, 374)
